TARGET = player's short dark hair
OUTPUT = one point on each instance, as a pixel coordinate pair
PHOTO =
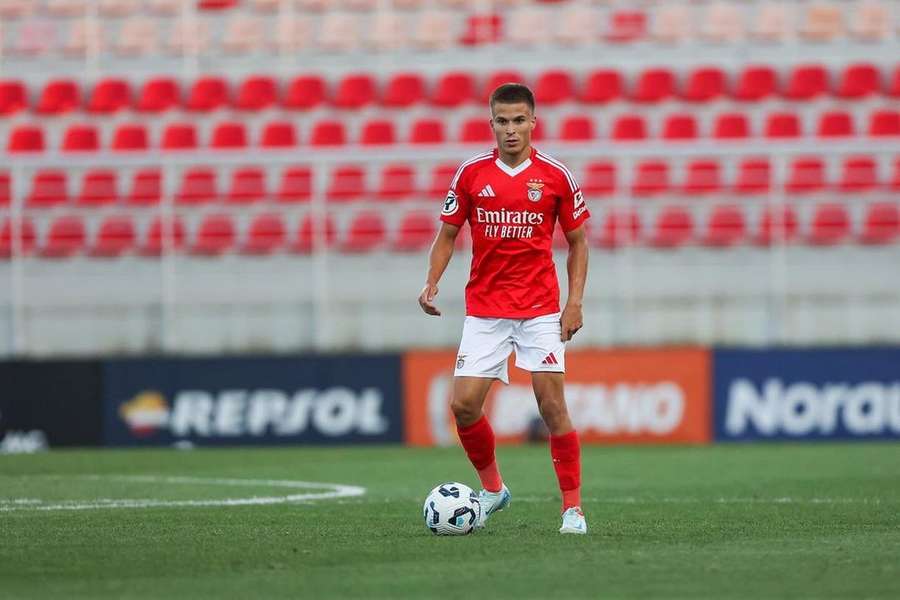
(513, 93)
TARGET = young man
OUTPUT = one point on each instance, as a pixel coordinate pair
(512, 198)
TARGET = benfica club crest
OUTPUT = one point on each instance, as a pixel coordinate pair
(535, 189)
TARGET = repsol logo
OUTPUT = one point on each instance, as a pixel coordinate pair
(803, 408)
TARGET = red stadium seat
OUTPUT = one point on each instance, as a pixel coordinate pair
(673, 227)
(806, 175)
(441, 177)
(110, 96)
(248, 185)
(476, 130)
(651, 178)
(309, 236)
(348, 183)
(599, 179)
(198, 186)
(22, 242)
(554, 87)
(130, 137)
(754, 177)
(48, 188)
(65, 237)
(837, 123)
(859, 81)
(622, 227)
(266, 235)
(482, 29)
(354, 92)
(13, 97)
(654, 85)
(295, 185)
(81, 138)
(830, 225)
(892, 87)
(731, 126)
(704, 84)
(256, 93)
(305, 92)
(215, 236)
(703, 177)
(208, 94)
(755, 83)
(163, 235)
(404, 90)
(807, 82)
(415, 233)
(629, 127)
(782, 125)
(378, 132)
(859, 174)
(146, 188)
(25, 138)
(626, 26)
(682, 126)
(229, 136)
(179, 136)
(498, 78)
(894, 183)
(601, 86)
(427, 131)
(278, 134)
(881, 224)
(159, 95)
(453, 89)
(59, 96)
(884, 123)
(778, 225)
(5, 189)
(328, 133)
(365, 233)
(726, 227)
(115, 236)
(98, 188)
(398, 182)
(577, 129)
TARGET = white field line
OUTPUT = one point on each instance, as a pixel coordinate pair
(332, 491)
(671, 500)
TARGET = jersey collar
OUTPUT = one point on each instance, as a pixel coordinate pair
(512, 172)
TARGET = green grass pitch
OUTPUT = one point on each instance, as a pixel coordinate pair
(741, 521)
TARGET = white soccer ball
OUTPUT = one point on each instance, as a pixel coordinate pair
(452, 509)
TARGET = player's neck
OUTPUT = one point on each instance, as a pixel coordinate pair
(514, 160)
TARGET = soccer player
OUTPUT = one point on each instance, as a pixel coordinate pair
(512, 198)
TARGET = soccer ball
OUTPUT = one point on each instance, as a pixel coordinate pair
(452, 509)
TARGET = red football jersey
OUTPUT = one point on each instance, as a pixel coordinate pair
(512, 213)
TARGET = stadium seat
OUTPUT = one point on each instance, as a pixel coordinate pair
(248, 185)
(651, 178)
(731, 126)
(893, 84)
(98, 188)
(25, 138)
(415, 232)
(13, 97)
(266, 234)
(365, 233)
(782, 125)
(354, 92)
(403, 90)
(179, 136)
(81, 138)
(453, 89)
(48, 188)
(673, 227)
(836, 123)
(622, 227)
(59, 96)
(305, 92)
(725, 227)
(859, 81)
(427, 131)
(14, 9)
(823, 22)
(163, 235)
(397, 182)
(110, 96)
(278, 134)
(328, 133)
(441, 177)
(576, 26)
(881, 224)
(339, 32)
(680, 126)
(387, 31)
(159, 95)
(599, 179)
(188, 37)
(378, 132)
(115, 237)
(313, 232)
(629, 127)
(430, 31)
(671, 23)
(654, 85)
(215, 236)
(198, 186)
(884, 123)
(830, 225)
(146, 188)
(138, 37)
(894, 182)
(115, 8)
(704, 84)
(208, 94)
(755, 83)
(498, 78)
(806, 175)
(703, 177)
(65, 237)
(521, 23)
(347, 184)
(626, 26)
(723, 23)
(84, 36)
(256, 93)
(229, 136)
(778, 225)
(482, 29)
(36, 37)
(576, 129)
(754, 177)
(5, 189)
(244, 35)
(295, 185)
(130, 137)
(24, 240)
(601, 86)
(293, 33)
(554, 87)
(476, 130)
(859, 174)
(870, 21)
(807, 82)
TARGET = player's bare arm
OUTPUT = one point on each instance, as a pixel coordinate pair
(438, 259)
(576, 265)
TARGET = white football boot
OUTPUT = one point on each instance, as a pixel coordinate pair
(573, 521)
(492, 502)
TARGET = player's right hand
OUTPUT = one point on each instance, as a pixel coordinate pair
(426, 299)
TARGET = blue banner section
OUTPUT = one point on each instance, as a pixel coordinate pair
(317, 400)
(806, 394)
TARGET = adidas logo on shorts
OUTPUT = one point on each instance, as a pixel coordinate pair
(550, 360)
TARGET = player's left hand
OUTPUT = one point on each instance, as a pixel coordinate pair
(570, 321)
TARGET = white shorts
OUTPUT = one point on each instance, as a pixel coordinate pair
(487, 343)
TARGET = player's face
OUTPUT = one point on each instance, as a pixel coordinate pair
(512, 124)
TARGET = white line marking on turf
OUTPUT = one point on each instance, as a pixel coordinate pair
(669, 500)
(333, 491)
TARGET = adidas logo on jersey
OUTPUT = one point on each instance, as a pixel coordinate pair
(550, 360)
(487, 192)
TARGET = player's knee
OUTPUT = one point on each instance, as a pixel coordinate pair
(464, 410)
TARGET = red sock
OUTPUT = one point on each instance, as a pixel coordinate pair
(478, 441)
(566, 453)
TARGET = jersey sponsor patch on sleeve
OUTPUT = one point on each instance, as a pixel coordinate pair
(451, 204)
